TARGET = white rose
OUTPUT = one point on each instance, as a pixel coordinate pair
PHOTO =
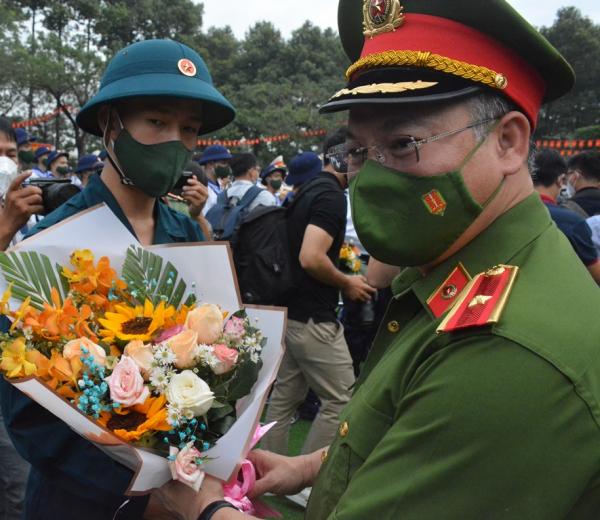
(187, 390)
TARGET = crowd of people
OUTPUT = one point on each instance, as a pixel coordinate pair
(479, 394)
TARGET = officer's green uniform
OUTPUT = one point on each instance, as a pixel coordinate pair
(490, 423)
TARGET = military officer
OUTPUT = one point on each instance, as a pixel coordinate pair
(480, 396)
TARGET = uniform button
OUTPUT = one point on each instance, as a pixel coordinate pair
(323, 456)
(344, 429)
(393, 326)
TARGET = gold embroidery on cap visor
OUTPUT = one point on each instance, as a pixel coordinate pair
(381, 16)
(433, 61)
(384, 88)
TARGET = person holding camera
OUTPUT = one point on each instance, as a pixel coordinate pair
(18, 205)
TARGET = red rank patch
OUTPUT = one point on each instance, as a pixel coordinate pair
(435, 203)
(445, 295)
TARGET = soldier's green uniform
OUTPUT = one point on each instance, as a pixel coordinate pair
(457, 415)
(443, 425)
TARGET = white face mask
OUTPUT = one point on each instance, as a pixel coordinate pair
(571, 187)
(8, 173)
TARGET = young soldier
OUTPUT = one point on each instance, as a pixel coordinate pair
(156, 97)
(478, 399)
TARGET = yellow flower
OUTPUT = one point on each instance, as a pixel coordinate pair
(131, 423)
(17, 361)
(4, 306)
(129, 323)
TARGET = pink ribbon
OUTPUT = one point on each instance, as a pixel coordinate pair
(236, 493)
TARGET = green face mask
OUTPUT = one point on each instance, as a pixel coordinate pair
(26, 156)
(152, 168)
(425, 215)
(276, 184)
(62, 170)
(223, 172)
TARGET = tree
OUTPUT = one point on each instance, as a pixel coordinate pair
(577, 38)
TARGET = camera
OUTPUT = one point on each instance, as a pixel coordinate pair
(55, 192)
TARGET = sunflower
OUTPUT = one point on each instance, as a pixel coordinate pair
(129, 323)
(131, 423)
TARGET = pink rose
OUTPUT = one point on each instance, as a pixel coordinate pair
(73, 349)
(184, 467)
(207, 321)
(184, 344)
(140, 353)
(126, 384)
(235, 327)
(169, 333)
(227, 358)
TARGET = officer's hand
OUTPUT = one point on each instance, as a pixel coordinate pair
(357, 288)
(280, 475)
(196, 195)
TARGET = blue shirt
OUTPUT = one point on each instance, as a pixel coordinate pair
(72, 479)
(576, 229)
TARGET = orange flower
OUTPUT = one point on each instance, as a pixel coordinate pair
(56, 319)
(131, 423)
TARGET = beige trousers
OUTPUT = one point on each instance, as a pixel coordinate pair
(317, 356)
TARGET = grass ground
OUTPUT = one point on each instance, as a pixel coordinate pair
(288, 509)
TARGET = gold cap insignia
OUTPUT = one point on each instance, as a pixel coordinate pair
(385, 88)
(186, 67)
(381, 16)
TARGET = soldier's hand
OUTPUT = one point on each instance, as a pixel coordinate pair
(196, 195)
(357, 288)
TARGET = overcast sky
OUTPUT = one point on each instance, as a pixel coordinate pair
(288, 15)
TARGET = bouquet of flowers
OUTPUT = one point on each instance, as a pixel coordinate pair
(349, 259)
(134, 353)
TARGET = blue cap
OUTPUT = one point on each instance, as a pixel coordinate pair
(42, 150)
(55, 155)
(269, 170)
(23, 136)
(215, 152)
(303, 167)
(158, 68)
(102, 155)
(87, 162)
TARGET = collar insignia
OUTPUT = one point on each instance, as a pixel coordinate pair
(445, 295)
(381, 16)
(481, 303)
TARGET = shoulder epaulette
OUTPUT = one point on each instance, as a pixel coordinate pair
(482, 300)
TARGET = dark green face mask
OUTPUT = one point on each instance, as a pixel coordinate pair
(423, 216)
(62, 170)
(26, 156)
(276, 184)
(152, 168)
(223, 172)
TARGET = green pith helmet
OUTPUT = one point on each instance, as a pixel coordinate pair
(158, 68)
(432, 50)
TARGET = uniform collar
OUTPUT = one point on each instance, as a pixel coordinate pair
(168, 229)
(497, 244)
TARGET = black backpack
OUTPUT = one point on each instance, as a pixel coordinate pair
(227, 212)
(267, 265)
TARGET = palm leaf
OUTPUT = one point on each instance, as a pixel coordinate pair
(33, 276)
(144, 273)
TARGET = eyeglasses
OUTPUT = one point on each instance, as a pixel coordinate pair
(346, 158)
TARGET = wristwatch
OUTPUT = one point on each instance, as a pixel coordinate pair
(213, 507)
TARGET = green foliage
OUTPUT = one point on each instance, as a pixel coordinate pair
(147, 278)
(587, 132)
(33, 276)
(577, 38)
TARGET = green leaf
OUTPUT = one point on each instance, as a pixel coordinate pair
(33, 276)
(223, 425)
(141, 265)
(223, 410)
(244, 380)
